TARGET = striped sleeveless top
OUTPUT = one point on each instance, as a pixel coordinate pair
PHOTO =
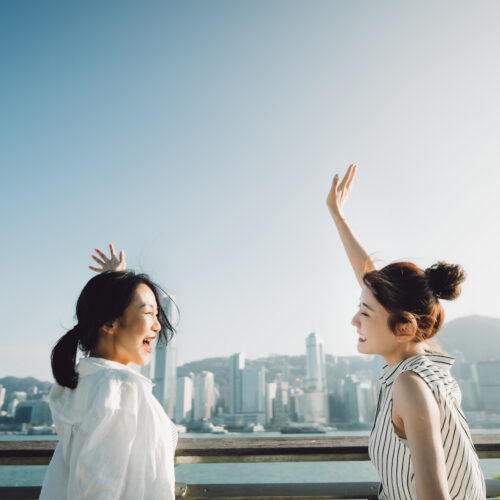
(390, 454)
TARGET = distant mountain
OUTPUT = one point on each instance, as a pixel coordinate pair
(471, 338)
(218, 366)
(12, 384)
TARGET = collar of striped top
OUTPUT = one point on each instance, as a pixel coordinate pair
(391, 372)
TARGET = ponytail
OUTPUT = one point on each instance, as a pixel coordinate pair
(63, 359)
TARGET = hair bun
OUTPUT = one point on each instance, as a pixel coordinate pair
(445, 280)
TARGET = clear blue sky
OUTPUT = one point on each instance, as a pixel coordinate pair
(202, 136)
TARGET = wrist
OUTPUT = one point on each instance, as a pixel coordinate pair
(338, 218)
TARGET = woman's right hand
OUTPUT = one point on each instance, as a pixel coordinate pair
(339, 193)
(111, 264)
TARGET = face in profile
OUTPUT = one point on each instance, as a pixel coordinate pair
(372, 325)
(134, 333)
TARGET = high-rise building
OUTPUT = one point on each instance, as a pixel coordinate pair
(488, 375)
(165, 363)
(184, 400)
(315, 364)
(35, 412)
(2, 395)
(359, 400)
(281, 404)
(367, 401)
(270, 398)
(313, 407)
(350, 399)
(204, 395)
(236, 365)
(253, 390)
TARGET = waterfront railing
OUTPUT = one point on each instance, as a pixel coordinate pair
(249, 450)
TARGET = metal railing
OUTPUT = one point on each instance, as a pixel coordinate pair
(248, 450)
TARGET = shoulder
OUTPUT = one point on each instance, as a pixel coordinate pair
(412, 395)
(113, 390)
(409, 382)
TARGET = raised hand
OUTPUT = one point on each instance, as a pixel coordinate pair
(339, 193)
(112, 264)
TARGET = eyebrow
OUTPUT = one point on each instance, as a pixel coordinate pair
(147, 305)
(367, 306)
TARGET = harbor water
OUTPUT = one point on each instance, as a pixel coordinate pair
(291, 472)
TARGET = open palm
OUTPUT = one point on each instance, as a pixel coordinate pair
(113, 263)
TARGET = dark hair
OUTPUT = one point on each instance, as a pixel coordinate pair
(104, 298)
(411, 295)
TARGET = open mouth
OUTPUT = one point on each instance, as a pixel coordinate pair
(146, 343)
(362, 339)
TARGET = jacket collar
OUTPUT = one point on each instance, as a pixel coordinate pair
(89, 365)
(390, 373)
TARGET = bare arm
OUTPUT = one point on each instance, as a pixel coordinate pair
(361, 262)
(416, 408)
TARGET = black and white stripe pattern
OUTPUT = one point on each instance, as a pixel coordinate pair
(391, 455)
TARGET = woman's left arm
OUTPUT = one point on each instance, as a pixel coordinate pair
(415, 409)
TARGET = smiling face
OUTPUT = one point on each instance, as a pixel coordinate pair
(132, 334)
(375, 336)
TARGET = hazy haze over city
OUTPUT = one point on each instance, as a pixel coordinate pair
(202, 137)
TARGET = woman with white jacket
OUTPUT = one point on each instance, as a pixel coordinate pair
(115, 439)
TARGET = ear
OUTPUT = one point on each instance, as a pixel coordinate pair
(405, 331)
(109, 327)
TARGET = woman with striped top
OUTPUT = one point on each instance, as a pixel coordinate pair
(420, 442)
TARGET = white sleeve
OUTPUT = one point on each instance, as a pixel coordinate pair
(102, 444)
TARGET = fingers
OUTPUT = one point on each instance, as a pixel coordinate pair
(97, 270)
(112, 251)
(335, 181)
(101, 254)
(351, 171)
(122, 256)
(99, 261)
(347, 175)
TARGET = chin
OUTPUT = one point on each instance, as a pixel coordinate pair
(362, 349)
(142, 361)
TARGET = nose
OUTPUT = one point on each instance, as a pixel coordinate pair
(355, 320)
(156, 325)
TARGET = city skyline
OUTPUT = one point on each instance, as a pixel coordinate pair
(338, 391)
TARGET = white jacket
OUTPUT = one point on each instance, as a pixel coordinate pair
(115, 439)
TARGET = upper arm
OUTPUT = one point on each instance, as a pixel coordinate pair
(415, 405)
(367, 266)
(103, 442)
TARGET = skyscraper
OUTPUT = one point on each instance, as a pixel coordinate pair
(270, 397)
(313, 404)
(488, 373)
(184, 400)
(2, 395)
(367, 401)
(204, 395)
(316, 366)
(165, 363)
(236, 365)
(253, 390)
(281, 404)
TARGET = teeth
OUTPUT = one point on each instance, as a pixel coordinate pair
(362, 337)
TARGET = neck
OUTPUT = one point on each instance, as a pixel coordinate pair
(107, 351)
(406, 351)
